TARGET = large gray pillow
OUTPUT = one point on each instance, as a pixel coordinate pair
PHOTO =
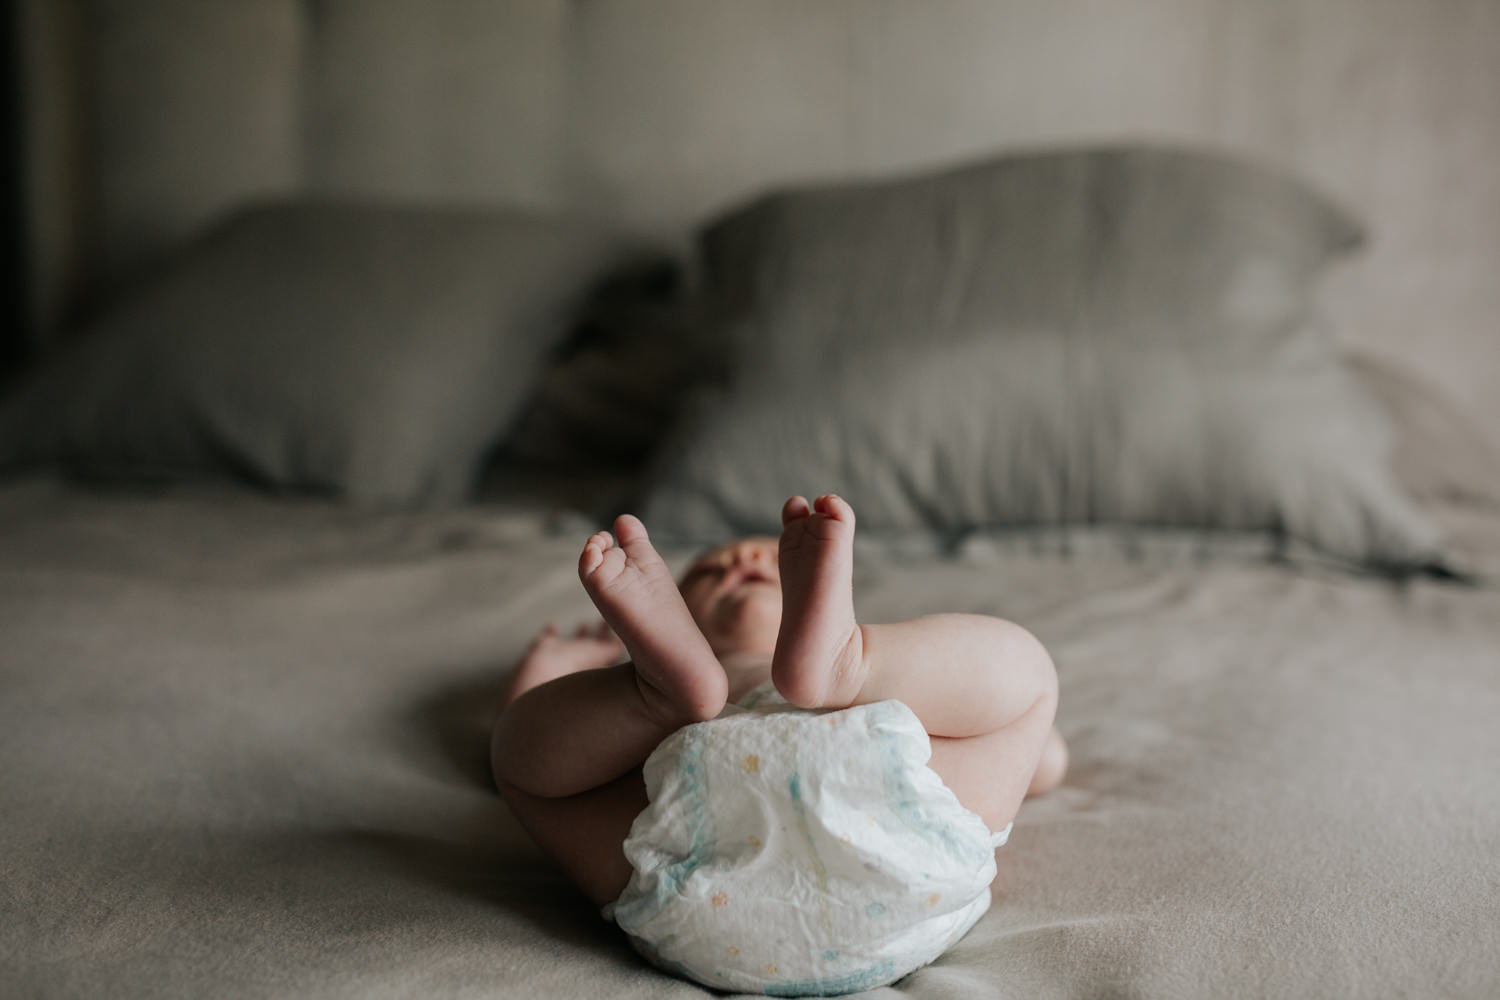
(370, 353)
(1126, 245)
(1115, 336)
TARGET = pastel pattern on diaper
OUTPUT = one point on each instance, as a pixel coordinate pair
(837, 862)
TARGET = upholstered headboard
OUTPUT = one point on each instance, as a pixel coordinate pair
(141, 120)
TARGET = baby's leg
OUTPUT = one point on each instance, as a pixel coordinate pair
(585, 728)
(566, 753)
(984, 688)
(1053, 766)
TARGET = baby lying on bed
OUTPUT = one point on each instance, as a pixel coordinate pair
(791, 834)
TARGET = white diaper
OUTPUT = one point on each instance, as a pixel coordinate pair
(801, 853)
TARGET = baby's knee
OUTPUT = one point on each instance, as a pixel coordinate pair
(1052, 767)
(1026, 660)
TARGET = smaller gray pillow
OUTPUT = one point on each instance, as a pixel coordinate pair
(371, 353)
(990, 435)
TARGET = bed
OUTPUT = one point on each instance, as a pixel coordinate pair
(334, 370)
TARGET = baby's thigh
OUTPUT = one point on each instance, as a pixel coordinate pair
(990, 773)
(585, 833)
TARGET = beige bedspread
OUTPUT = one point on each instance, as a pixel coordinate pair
(242, 753)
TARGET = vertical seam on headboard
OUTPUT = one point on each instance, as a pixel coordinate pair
(309, 25)
(56, 125)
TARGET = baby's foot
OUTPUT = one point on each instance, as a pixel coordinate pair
(819, 661)
(679, 676)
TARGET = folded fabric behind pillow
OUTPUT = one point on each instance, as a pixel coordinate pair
(369, 352)
(1116, 336)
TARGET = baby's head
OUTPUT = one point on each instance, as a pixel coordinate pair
(734, 594)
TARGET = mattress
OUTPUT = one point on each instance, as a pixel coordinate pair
(244, 754)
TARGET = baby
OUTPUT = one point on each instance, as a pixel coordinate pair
(577, 725)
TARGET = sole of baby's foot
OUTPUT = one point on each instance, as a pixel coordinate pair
(819, 659)
(679, 677)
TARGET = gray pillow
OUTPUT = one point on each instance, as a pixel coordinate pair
(1092, 337)
(1128, 245)
(371, 353)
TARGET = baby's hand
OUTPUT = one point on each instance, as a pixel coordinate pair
(589, 647)
(551, 655)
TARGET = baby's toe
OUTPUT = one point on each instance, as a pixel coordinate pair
(629, 529)
(592, 556)
(795, 509)
(836, 507)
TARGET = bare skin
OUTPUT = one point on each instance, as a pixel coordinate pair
(576, 724)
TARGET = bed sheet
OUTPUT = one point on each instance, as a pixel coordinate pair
(244, 754)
